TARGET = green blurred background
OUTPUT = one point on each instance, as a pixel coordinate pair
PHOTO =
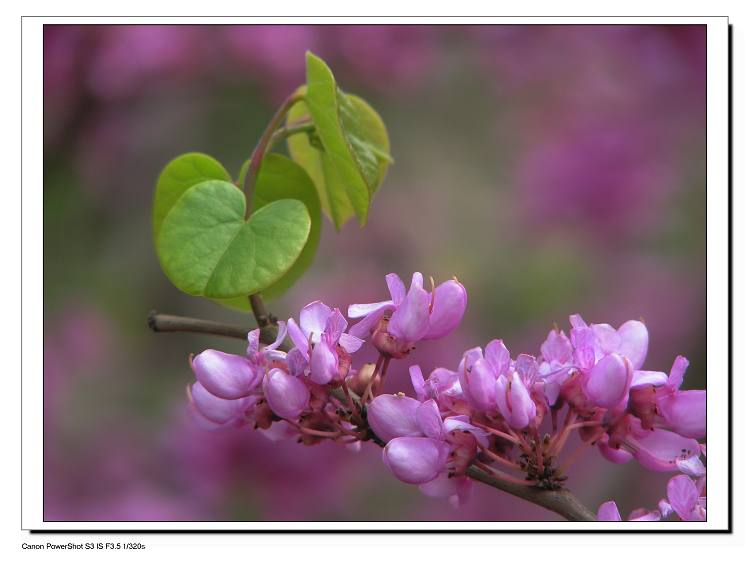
(552, 169)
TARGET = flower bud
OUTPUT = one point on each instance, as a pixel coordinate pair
(392, 416)
(287, 395)
(415, 460)
(225, 375)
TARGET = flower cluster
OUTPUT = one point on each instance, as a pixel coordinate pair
(507, 417)
(686, 498)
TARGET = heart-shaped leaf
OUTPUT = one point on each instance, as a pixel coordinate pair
(207, 247)
(281, 178)
(180, 174)
(354, 156)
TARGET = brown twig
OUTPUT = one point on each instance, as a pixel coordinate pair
(159, 322)
(561, 501)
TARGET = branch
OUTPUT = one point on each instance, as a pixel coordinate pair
(159, 322)
(562, 501)
(289, 130)
(256, 158)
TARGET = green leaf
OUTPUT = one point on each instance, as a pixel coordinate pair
(355, 145)
(331, 191)
(180, 174)
(281, 178)
(206, 247)
(368, 138)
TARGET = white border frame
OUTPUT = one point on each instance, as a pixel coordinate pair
(717, 285)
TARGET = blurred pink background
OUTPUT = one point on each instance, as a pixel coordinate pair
(552, 169)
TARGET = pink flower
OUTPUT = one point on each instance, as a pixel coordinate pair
(420, 443)
(443, 385)
(514, 401)
(685, 498)
(656, 398)
(397, 324)
(657, 450)
(605, 359)
(608, 512)
(478, 375)
(598, 340)
(229, 376)
(322, 342)
(416, 460)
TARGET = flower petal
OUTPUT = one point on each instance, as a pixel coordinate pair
(298, 338)
(576, 321)
(359, 310)
(665, 508)
(692, 466)
(225, 375)
(461, 422)
(296, 362)
(659, 450)
(634, 342)
(677, 373)
(287, 395)
(415, 460)
(683, 496)
(411, 319)
(480, 385)
(364, 328)
(608, 381)
(280, 336)
(685, 412)
(608, 512)
(215, 409)
(418, 382)
(429, 419)
(324, 364)
(607, 338)
(497, 355)
(253, 342)
(448, 309)
(350, 343)
(643, 515)
(391, 416)
(522, 407)
(313, 318)
(335, 325)
(469, 358)
(615, 455)
(584, 345)
(501, 396)
(527, 368)
(396, 288)
(557, 347)
(641, 378)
